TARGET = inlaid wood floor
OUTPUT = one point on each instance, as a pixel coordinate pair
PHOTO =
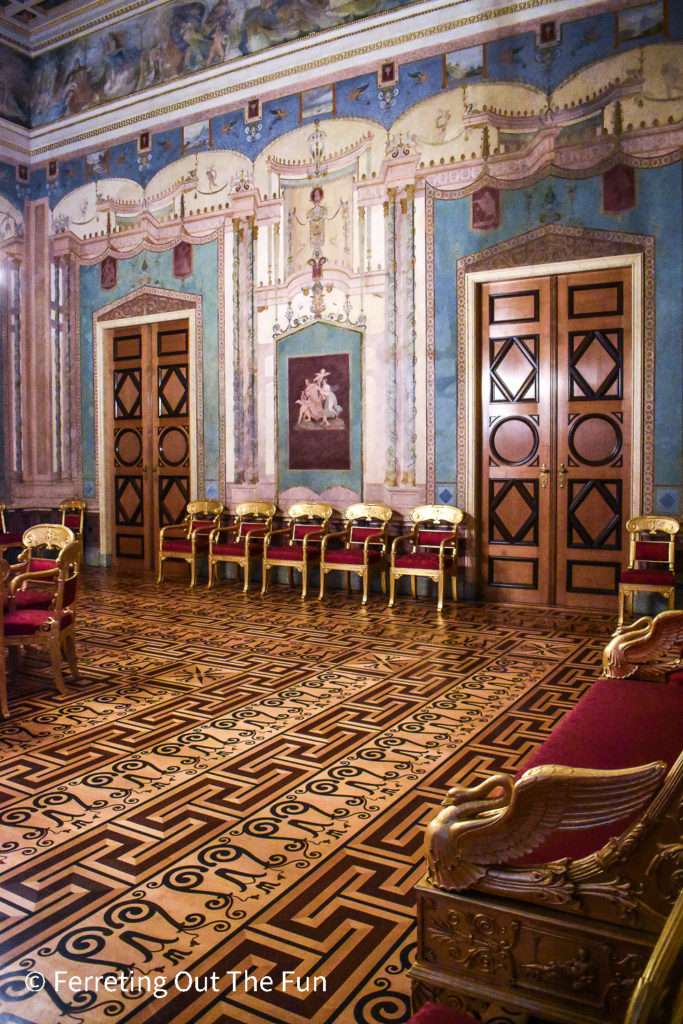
(222, 821)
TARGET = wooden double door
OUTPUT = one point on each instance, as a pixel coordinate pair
(149, 437)
(556, 409)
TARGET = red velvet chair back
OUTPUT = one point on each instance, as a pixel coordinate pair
(651, 540)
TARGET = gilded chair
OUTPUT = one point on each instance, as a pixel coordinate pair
(297, 545)
(37, 566)
(73, 516)
(361, 547)
(52, 628)
(429, 550)
(189, 541)
(7, 539)
(650, 561)
(242, 542)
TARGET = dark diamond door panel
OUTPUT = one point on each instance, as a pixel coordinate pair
(150, 437)
(555, 416)
(515, 429)
(593, 433)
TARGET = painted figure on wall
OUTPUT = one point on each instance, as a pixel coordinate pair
(318, 404)
(319, 436)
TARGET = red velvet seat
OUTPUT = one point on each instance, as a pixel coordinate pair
(297, 545)
(437, 1013)
(650, 561)
(360, 548)
(242, 542)
(429, 550)
(51, 627)
(599, 733)
(189, 541)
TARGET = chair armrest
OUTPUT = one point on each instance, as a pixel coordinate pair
(397, 541)
(335, 535)
(274, 533)
(316, 535)
(166, 530)
(41, 575)
(371, 538)
(218, 530)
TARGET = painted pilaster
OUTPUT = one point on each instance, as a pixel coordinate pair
(37, 386)
(407, 341)
(391, 348)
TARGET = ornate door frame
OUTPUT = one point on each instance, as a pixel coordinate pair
(469, 401)
(144, 306)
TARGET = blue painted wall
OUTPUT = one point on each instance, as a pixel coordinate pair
(155, 269)
(578, 203)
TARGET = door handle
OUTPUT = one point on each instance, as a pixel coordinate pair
(563, 475)
(544, 474)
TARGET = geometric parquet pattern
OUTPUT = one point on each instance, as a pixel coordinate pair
(222, 821)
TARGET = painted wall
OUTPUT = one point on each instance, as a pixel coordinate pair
(537, 118)
(659, 213)
(155, 269)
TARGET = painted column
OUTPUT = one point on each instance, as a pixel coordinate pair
(407, 340)
(36, 366)
(391, 473)
(251, 377)
(238, 408)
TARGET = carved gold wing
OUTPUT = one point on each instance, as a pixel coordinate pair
(547, 799)
(642, 642)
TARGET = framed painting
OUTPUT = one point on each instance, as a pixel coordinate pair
(319, 408)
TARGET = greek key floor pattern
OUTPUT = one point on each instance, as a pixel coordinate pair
(221, 823)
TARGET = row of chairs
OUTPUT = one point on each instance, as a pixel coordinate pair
(39, 602)
(362, 547)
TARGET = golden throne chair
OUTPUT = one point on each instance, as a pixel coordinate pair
(650, 561)
(73, 516)
(297, 545)
(361, 547)
(52, 627)
(429, 550)
(241, 543)
(189, 541)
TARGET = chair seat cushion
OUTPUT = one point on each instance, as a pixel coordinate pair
(350, 556)
(11, 539)
(228, 550)
(183, 546)
(648, 577)
(422, 560)
(292, 554)
(599, 733)
(27, 621)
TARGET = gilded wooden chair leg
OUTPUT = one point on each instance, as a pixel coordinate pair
(69, 648)
(56, 659)
(454, 587)
(161, 569)
(321, 593)
(383, 580)
(264, 584)
(304, 580)
(439, 593)
(4, 706)
(245, 570)
(392, 588)
(364, 577)
(413, 586)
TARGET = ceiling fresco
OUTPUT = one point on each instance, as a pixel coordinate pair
(163, 44)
